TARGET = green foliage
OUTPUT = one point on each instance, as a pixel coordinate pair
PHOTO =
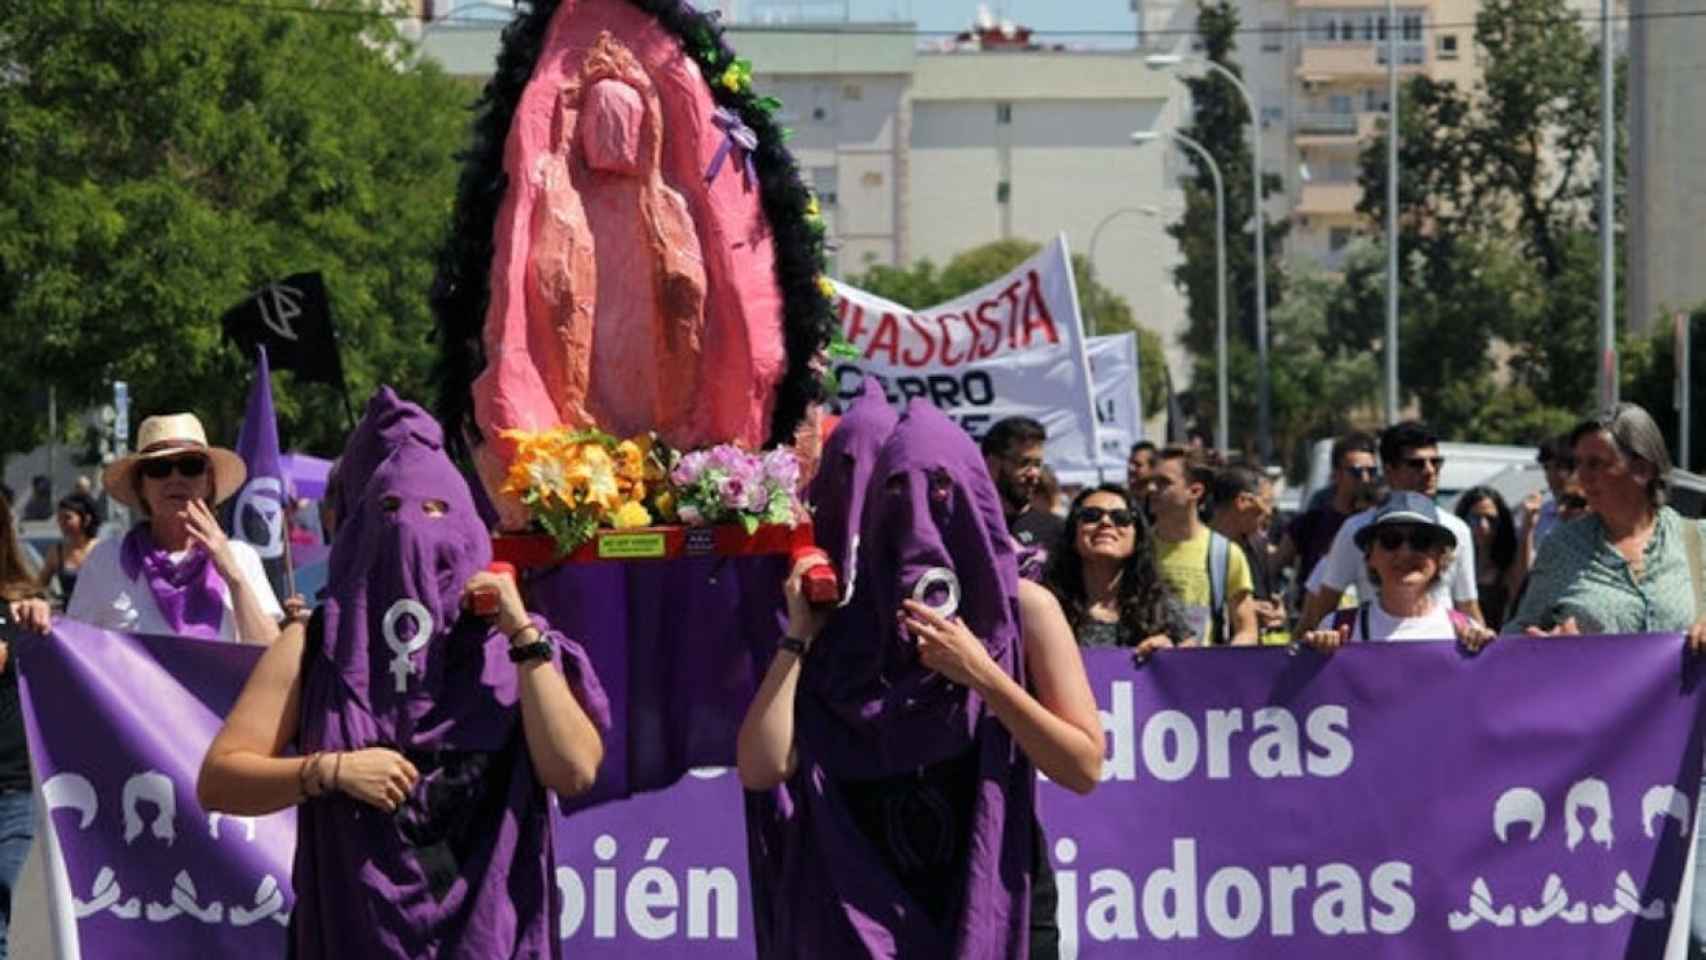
(1222, 126)
(159, 162)
(1649, 377)
(1105, 312)
(1498, 236)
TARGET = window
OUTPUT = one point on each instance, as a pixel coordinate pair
(1272, 115)
(1273, 36)
(1003, 114)
(1410, 28)
(1003, 192)
(1448, 46)
(1338, 238)
(824, 184)
(1339, 103)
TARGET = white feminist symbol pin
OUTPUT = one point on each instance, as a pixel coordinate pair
(401, 664)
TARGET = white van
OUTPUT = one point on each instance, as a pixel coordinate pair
(1466, 465)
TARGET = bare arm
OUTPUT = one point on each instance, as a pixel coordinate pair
(254, 625)
(1059, 728)
(243, 772)
(1470, 609)
(1320, 602)
(562, 741)
(1242, 614)
(764, 749)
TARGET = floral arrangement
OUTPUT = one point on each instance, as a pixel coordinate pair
(726, 484)
(575, 481)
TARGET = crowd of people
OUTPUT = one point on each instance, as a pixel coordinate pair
(1188, 552)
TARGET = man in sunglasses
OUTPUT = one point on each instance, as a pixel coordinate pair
(1310, 534)
(1409, 451)
(1243, 505)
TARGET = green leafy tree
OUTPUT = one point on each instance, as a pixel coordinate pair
(158, 162)
(1105, 312)
(1497, 209)
(1649, 378)
(1222, 125)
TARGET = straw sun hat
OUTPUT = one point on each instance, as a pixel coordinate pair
(173, 435)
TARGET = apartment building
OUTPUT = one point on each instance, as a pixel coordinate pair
(1318, 71)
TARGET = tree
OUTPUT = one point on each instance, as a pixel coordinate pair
(922, 285)
(1222, 125)
(1497, 219)
(1649, 378)
(158, 162)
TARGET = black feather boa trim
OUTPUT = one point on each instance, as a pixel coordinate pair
(461, 290)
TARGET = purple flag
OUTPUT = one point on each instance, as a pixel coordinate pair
(258, 514)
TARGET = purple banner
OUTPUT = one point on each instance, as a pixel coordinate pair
(1394, 800)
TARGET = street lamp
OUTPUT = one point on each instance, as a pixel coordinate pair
(1264, 425)
(1221, 433)
(1096, 234)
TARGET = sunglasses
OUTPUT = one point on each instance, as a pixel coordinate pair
(1365, 473)
(1417, 463)
(1573, 502)
(1119, 517)
(186, 467)
(1419, 538)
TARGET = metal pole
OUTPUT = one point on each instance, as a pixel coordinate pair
(1684, 387)
(1095, 237)
(1607, 211)
(1222, 433)
(1264, 395)
(1392, 211)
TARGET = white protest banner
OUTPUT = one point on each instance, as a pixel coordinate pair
(1119, 405)
(1012, 348)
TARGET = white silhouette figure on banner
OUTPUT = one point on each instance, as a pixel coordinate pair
(269, 902)
(1591, 795)
(156, 788)
(1587, 815)
(1519, 805)
(1668, 800)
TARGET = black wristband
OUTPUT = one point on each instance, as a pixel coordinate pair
(794, 645)
(537, 650)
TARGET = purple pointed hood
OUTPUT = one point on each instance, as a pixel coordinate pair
(837, 492)
(930, 527)
(397, 571)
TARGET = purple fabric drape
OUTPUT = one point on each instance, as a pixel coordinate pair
(189, 593)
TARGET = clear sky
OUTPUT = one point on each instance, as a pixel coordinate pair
(1038, 14)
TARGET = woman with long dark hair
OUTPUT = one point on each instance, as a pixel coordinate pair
(1103, 572)
(1500, 563)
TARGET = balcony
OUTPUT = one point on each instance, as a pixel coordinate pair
(1327, 129)
(1329, 199)
(1328, 62)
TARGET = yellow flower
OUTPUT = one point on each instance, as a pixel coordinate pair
(595, 474)
(826, 286)
(731, 79)
(630, 459)
(812, 210)
(629, 515)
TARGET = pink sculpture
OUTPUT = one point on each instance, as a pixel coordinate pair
(629, 292)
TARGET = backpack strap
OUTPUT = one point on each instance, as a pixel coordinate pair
(1219, 556)
(1691, 540)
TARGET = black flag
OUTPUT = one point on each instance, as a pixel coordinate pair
(293, 318)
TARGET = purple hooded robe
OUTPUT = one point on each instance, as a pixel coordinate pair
(907, 829)
(465, 867)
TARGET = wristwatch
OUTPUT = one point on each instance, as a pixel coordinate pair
(795, 645)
